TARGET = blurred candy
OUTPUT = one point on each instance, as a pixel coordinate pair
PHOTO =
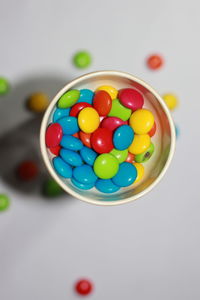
(153, 130)
(68, 99)
(38, 102)
(130, 158)
(78, 107)
(84, 287)
(51, 188)
(69, 125)
(140, 172)
(86, 95)
(142, 121)
(4, 202)
(121, 155)
(119, 111)
(171, 101)
(102, 102)
(82, 186)
(71, 157)
(106, 186)
(55, 150)
(126, 175)
(88, 155)
(27, 170)
(109, 89)
(88, 120)
(106, 166)
(82, 59)
(62, 168)
(101, 140)
(177, 130)
(4, 86)
(123, 137)
(53, 135)
(131, 98)
(140, 144)
(85, 138)
(112, 123)
(71, 143)
(155, 62)
(145, 156)
(84, 174)
(60, 113)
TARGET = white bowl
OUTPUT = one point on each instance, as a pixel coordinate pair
(164, 139)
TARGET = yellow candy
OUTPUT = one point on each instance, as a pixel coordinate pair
(171, 100)
(110, 90)
(88, 120)
(141, 121)
(140, 143)
(140, 171)
(38, 102)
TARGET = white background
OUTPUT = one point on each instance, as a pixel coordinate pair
(148, 249)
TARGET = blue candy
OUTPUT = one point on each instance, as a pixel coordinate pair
(84, 174)
(106, 186)
(60, 113)
(88, 155)
(71, 142)
(71, 157)
(177, 130)
(62, 168)
(69, 125)
(126, 174)
(123, 137)
(82, 186)
(86, 96)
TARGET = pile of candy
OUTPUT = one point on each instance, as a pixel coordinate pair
(99, 139)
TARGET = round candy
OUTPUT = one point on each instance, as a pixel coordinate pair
(4, 86)
(102, 102)
(154, 62)
(4, 202)
(85, 138)
(38, 102)
(123, 137)
(131, 98)
(60, 113)
(171, 101)
(84, 287)
(88, 155)
(112, 123)
(101, 140)
(145, 156)
(119, 111)
(27, 170)
(106, 186)
(69, 125)
(71, 157)
(126, 175)
(106, 166)
(140, 144)
(130, 158)
(153, 130)
(82, 186)
(110, 90)
(82, 59)
(142, 121)
(71, 143)
(55, 150)
(140, 172)
(86, 95)
(78, 107)
(62, 168)
(121, 155)
(51, 188)
(68, 99)
(53, 135)
(84, 174)
(88, 120)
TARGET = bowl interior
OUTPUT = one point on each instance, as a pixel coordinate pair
(163, 140)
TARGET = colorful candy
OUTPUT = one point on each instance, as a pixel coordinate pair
(106, 166)
(88, 120)
(59, 113)
(141, 121)
(119, 111)
(112, 123)
(140, 172)
(27, 170)
(62, 168)
(85, 138)
(38, 102)
(86, 95)
(106, 186)
(102, 141)
(145, 156)
(82, 59)
(55, 150)
(131, 98)
(140, 143)
(121, 155)
(82, 186)
(84, 287)
(4, 202)
(71, 157)
(110, 90)
(153, 130)
(54, 135)
(51, 188)
(4, 86)
(68, 99)
(102, 102)
(123, 137)
(78, 107)
(88, 155)
(71, 143)
(171, 100)
(84, 174)
(155, 62)
(69, 125)
(126, 175)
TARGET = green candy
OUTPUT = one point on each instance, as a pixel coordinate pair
(119, 111)
(4, 202)
(68, 99)
(4, 86)
(145, 156)
(82, 59)
(121, 155)
(106, 166)
(51, 188)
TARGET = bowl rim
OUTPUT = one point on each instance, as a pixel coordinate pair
(45, 123)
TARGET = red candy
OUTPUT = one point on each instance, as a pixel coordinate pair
(27, 170)
(131, 98)
(55, 150)
(130, 158)
(83, 287)
(78, 107)
(102, 102)
(153, 130)
(112, 123)
(54, 135)
(154, 62)
(85, 138)
(76, 135)
(101, 140)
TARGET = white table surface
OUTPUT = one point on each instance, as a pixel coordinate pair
(148, 249)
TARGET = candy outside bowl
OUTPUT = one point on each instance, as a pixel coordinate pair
(164, 139)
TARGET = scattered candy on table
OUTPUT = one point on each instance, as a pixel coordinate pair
(50, 188)
(99, 139)
(155, 61)
(4, 202)
(84, 287)
(171, 100)
(27, 170)
(82, 59)
(38, 102)
(177, 130)
(4, 86)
